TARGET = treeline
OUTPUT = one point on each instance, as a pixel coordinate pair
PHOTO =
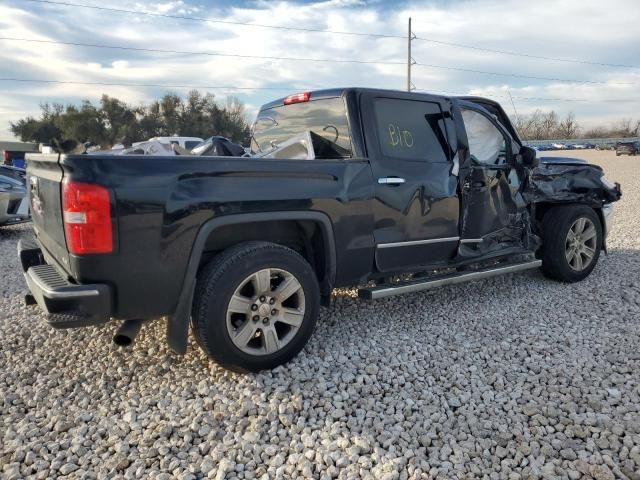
(549, 126)
(113, 121)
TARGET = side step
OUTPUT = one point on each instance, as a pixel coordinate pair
(382, 291)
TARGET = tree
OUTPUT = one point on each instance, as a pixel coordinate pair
(44, 130)
(545, 126)
(549, 124)
(170, 107)
(113, 121)
(83, 124)
(120, 121)
(597, 132)
(150, 120)
(568, 127)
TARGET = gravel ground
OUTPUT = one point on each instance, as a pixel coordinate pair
(513, 377)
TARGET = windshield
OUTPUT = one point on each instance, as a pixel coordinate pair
(326, 118)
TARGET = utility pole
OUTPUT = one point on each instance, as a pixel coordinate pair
(410, 60)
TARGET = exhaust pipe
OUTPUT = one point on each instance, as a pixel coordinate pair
(127, 332)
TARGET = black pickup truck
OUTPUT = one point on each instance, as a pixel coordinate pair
(397, 192)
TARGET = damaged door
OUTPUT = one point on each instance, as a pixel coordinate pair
(494, 214)
(416, 207)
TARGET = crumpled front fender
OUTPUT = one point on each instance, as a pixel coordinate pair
(567, 182)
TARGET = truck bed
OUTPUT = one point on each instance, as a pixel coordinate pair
(160, 203)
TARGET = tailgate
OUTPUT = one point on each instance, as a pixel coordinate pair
(44, 177)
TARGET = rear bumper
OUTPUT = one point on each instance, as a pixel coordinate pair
(67, 304)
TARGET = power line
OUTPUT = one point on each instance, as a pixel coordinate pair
(335, 32)
(210, 20)
(527, 55)
(307, 59)
(538, 99)
(115, 84)
(517, 75)
(185, 52)
(292, 88)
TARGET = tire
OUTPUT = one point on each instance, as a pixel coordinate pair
(560, 251)
(228, 331)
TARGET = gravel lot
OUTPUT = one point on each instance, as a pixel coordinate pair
(513, 377)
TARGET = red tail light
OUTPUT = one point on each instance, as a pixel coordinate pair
(86, 210)
(297, 98)
(7, 157)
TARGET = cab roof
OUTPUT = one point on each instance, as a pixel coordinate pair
(336, 92)
(491, 105)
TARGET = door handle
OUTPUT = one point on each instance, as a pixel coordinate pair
(391, 181)
(476, 184)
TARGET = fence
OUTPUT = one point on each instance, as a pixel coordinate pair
(581, 141)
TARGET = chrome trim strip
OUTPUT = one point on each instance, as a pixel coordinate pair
(417, 242)
(381, 292)
(470, 240)
(607, 215)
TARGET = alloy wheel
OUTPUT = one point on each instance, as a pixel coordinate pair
(265, 311)
(581, 242)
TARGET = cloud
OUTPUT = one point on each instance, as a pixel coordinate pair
(574, 29)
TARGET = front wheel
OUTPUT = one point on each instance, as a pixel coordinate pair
(571, 243)
(255, 306)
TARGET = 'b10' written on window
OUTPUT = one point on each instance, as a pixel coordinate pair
(411, 130)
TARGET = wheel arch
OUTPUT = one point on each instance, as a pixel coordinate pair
(556, 221)
(542, 208)
(178, 321)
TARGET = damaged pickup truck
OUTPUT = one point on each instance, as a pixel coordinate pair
(393, 192)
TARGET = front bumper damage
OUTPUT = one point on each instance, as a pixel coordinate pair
(558, 180)
(566, 180)
(67, 304)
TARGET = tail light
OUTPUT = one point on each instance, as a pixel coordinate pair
(6, 157)
(86, 211)
(297, 98)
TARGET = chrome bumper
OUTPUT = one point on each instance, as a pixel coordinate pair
(607, 215)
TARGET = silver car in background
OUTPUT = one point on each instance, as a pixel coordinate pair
(14, 206)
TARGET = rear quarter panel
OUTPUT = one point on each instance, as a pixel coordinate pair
(162, 202)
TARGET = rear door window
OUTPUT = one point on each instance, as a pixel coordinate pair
(412, 130)
(325, 119)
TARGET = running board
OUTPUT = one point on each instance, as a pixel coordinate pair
(374, 293)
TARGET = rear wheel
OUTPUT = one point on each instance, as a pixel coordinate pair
(572, 240)
(255, 306)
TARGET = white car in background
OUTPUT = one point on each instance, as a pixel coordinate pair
(184, 142)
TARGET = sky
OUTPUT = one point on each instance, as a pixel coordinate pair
(588, 32)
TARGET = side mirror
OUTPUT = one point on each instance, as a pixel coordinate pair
(528, 157)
